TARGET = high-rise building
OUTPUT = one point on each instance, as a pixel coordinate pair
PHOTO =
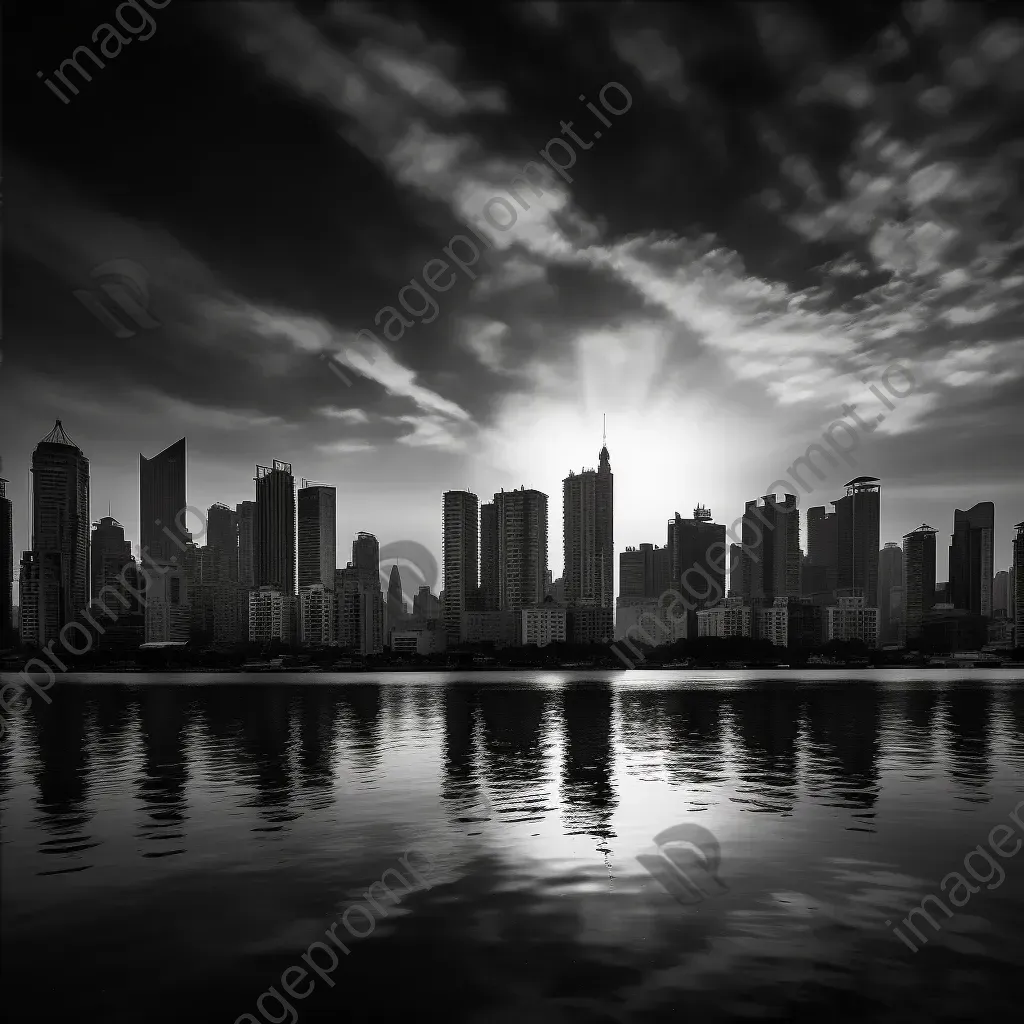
(971, 557)
(245, 513)
(425, 605)
(644, 571)
(770, 556)
(1017, 584)
(489, 566)
(269, 615)
(588, 523)
(1001, 594)
(918, 579)
(109, 553)
(823, 544)
(162, 503)
(857, 538)
(395, 606)
(890, 574)
(522, 547)
(59, 583)
(222, 536)
(6, 568)
(317, 535)
(274, 541)
(360, 607)
(366, 555)
(460, 538)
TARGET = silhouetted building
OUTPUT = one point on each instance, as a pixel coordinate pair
(948, 629)
(522, 547)
(644, 571)
(58, 587)
(588, 519)
(770, 557)
(651, 620)
(941, 593)
(1001, 594)
(857, 528)
(6, 568)
(823, 545)
(790, 622)
(971, 559)
(317, 535)
(497, 628)
(360, 606)
(245, 513)
(168, 605)
(1017, 585)
(425, 605)
(162, 503)
(460, 529)
(274, 541)
(890, 574)
(395, 608)
(918, 579)
(490, 571)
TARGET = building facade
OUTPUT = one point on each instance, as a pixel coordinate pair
(7, 632)
(162, 503)
(857, 538)
(890, 574)
(770, 556)
(245, 516)
(851, 618)
(543, 624)
(1017, 585)
(522, 548)
(168, 613)
(589, 548)
(489, 565)
(318, 615)
(460, 544)
(269, 616)
(971, 559)
(317, 544)
(274, 537)
(918, 580)
(729, 618)
(823, 547)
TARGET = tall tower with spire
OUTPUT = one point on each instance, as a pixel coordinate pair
(588, 523)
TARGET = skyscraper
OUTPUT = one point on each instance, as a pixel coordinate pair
(6, 567)
(489, 571)
(460, 524)
(245, 513)
(109, 554)
(918, 579)
(1017, 584)
(162, 503)
(971, 558)
(522, 547)
(890, 574)
(857, 540)
(823, 544)
(58, 582)
(366, 554)
(395, 606)
(222, 534)
(359, 601)
(1001, 594)
(770, 556)
(588, 521)
(274, 541)
(317, 532)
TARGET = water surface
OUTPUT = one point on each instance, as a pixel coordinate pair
(172, 844)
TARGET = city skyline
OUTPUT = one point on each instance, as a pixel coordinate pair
(744, 301)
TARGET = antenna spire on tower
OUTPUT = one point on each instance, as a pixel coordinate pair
(604, 428)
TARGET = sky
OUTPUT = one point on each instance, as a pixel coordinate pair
(763, 211)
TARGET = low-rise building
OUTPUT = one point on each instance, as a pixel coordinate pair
(729, 618)
(790, 622)
(317, 616)
(850, 618)
(544, 624)
(500, 628)
(269, 616)
(419, 641)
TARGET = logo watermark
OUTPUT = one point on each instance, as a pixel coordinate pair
(124, 284)
(685, 862)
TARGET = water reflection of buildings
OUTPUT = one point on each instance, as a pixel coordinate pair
(266, 735)
(514, 722)
(61, 773)
(766, 723)
(588, 793)
(362, 705)
(693, 743)
(319, 708)
(843, 737)
(460, 790)
(968, 717)
(642, 728)
(162, 721)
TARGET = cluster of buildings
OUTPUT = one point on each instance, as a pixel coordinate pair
(845, 587)
(267, 571)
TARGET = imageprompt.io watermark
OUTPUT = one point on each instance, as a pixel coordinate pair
(685, 862)
(416, 564)
(120, 298)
